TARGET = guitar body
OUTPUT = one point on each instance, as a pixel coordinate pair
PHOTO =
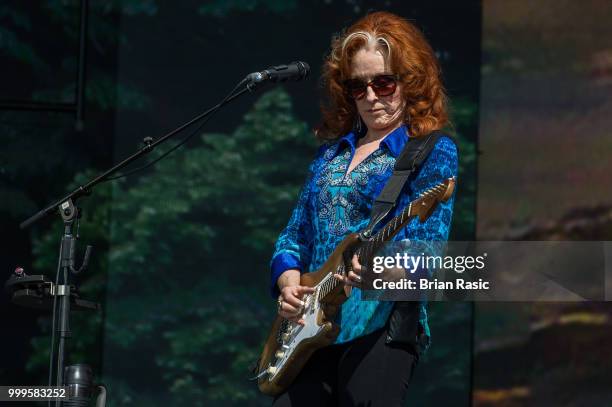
(319, 330)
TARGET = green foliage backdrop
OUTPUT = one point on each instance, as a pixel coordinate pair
(182, 250)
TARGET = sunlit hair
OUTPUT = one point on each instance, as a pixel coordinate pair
(407, 53)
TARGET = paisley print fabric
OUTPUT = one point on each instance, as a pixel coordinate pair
(334, 203)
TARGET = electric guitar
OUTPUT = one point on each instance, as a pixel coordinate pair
(289, 344)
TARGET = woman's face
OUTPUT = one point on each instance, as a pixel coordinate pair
(378, 112)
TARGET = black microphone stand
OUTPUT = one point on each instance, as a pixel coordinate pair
(62, 288)
(70, 214)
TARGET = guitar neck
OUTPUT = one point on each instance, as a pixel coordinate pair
(368, 248)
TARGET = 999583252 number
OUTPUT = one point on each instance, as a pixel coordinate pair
(32, 393)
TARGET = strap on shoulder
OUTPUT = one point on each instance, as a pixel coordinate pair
(413, 155)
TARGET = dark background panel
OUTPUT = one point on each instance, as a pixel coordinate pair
(182, 248)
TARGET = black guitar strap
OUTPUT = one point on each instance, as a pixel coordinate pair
(413, 155)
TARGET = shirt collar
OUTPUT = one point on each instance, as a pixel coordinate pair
(394, 141)
(349, 140)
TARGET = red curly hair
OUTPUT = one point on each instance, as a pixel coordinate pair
(407, 53)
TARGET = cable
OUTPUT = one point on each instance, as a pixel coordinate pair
(185, 140)
(147, 165)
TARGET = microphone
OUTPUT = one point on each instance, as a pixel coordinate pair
(295, 71)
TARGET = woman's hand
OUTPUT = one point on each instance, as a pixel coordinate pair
(290, 303)
(354, 276)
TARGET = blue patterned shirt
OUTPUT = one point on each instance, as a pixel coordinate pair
(333, 204)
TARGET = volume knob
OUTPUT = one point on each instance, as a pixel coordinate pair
(285, 337)
(279, 354)
(272, 370)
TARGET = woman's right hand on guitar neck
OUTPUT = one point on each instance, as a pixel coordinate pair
(290, 303)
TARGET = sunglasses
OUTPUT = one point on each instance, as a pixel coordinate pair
(382, 85)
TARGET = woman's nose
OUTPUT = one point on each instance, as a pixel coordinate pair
(370, 95)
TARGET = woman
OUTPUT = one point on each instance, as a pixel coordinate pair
(383, 84)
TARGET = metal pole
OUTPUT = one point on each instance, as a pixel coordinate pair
(80, 88)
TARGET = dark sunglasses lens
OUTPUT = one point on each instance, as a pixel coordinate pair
(384, 85)
(356, 88)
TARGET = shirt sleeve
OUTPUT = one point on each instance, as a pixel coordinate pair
(293, 249)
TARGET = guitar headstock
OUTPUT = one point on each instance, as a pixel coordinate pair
(425, 204)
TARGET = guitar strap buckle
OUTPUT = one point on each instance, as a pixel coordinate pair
(365, 235)
(379, 211)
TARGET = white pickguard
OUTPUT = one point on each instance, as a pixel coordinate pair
(298, 333)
